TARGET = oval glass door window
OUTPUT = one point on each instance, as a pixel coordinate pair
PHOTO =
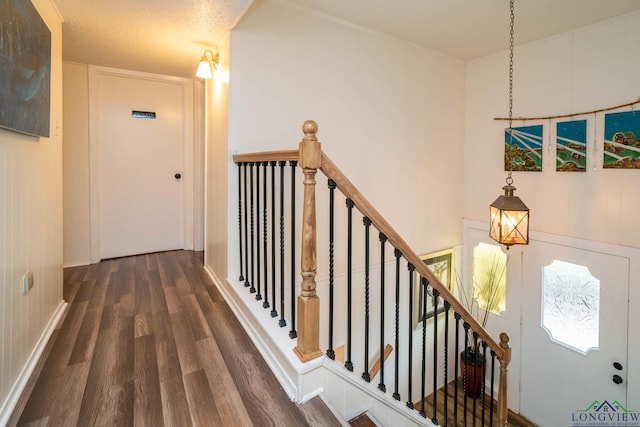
(571, 306)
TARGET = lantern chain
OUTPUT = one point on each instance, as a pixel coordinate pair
(511, 45)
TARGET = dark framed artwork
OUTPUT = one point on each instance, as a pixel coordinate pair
(523, 149)
(571, 146)
(621, 140)
(441, 264)
(25, 69)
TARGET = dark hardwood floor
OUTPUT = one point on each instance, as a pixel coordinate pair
(474, 416)
(149, 341)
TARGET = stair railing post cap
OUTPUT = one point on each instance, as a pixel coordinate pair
(310, 128)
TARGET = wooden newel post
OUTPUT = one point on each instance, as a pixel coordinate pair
(503, 409)
(308, 346)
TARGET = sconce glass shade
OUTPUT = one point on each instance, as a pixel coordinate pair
(509, 219)
(204, 69)
(208, 63)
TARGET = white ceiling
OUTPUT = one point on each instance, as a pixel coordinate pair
(169, 36)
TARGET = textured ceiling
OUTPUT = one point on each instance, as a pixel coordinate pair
(471, 28)
(169, 36)
(159, 36)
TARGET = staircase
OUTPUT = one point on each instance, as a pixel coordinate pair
(370, 283)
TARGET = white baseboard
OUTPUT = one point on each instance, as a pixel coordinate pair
(76, 264)
(18, 386)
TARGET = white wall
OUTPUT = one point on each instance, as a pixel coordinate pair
(217, 155)
(588, 69)
(77, 237)
(30, 228)
(390, 114)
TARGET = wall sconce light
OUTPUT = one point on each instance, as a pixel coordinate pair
(208, 63)
(508, 215)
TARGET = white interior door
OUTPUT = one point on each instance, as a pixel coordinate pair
(140, 134)
(572, 336)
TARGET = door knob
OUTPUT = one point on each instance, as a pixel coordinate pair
(617, 365)
(177, 176)
(617, 379)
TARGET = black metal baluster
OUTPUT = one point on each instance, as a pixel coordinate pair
(475, 374)
(367, 224)
(447, 307)
(265, 235)
(493, 365)
(484, 377)
(396, 394)
(332, 186)
(434, 300)
(423, 378)
(274, 313)
(465, 380)
(292, 333)
(456, 361)
(383, 240)
(282, 321)
(347, 362)
(246, 225)
(411, 269)
(252, 288)
(455, 370)
(241, 278)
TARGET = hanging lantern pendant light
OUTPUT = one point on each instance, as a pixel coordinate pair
(509, 218)
(508, 215)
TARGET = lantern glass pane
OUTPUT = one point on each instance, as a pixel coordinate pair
(494, 226)
(509, 227)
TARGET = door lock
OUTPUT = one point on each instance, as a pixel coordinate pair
(177, 176)
(617, 379)
(617, 365)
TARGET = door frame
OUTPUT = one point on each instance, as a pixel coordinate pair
(190, 221)
(518, 255)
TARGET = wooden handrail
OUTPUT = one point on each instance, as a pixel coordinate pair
(502, 350)
(376, 365)
(367, 209)
(266, 156)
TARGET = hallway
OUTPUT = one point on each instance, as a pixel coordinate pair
(148, 340)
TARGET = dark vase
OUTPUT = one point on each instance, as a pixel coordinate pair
(472, 372)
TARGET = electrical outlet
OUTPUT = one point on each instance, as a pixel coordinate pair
(27, 282)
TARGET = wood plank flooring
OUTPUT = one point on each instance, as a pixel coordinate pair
(149, 341)
(474, 413)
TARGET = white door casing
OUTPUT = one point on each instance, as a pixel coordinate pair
(137, 205)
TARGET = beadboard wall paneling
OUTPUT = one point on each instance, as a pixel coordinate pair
(30, 230)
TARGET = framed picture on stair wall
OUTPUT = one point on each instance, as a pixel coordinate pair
(441, 264)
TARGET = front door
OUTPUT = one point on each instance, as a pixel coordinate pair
(140, 124)
(574, 336)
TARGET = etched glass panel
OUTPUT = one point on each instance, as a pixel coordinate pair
(489, 279)
(571, 305)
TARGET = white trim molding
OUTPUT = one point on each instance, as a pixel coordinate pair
(18, 387)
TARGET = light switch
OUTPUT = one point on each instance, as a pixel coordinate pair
(27, 282)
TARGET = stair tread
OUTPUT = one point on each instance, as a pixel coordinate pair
(362, 420)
